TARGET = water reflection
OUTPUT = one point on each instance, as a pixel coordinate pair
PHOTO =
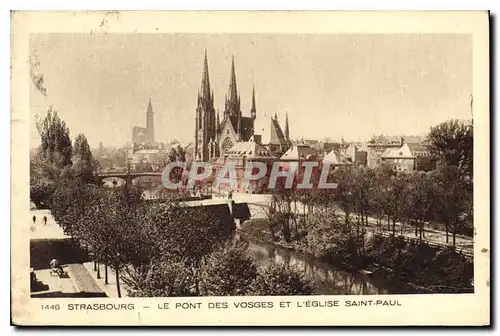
(327, 279)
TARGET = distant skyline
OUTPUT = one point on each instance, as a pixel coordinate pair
(332, 85)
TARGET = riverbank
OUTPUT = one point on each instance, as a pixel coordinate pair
(422, 268)
(327, 278)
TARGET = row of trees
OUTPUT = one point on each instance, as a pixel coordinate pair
(443, 196)
(164, 249)
(157, 249)
(376, 196)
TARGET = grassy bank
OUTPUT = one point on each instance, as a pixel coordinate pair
(426, 268)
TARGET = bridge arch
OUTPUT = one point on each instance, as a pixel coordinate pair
(125, 176)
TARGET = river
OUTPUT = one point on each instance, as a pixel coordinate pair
(327, 279)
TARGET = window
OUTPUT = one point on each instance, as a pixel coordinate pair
(227, 144)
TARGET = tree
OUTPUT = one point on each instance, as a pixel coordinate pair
(363, 191)
(452, 143)
(455, 200)
(332, 240)
(344, 193)
(55, 140)
(421, 200)
(51, 159)
(280, 213)
(43, 177)
(83, 162)
(395, 200)
(176, 154)
(378, 196)
(108, 226)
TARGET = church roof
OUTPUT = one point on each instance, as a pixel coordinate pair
(335, 158)
(299, 152)
(249, 149)
(273, 134)
(246, 126)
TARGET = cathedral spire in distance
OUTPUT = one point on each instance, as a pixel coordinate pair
(150, 123)
(253, 110)
(205, 80)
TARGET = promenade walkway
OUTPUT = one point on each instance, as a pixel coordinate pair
(47, 242)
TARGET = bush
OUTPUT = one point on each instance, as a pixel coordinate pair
(440, 270)
(452, 271)
(161, 279)
(279, 279)
(228, 271)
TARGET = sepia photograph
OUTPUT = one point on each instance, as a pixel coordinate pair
(239, 164)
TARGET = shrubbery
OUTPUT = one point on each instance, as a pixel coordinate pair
(442, 270)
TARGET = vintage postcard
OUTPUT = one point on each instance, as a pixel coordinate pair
(250, 168)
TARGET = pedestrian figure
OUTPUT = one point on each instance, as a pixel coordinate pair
(45, 219)
(34, 219)
(56, 267)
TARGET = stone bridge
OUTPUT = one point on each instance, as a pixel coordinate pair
(126, 176)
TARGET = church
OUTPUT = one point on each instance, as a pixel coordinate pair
(215, 138)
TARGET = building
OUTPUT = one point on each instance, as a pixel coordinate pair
(423, 158)
(355, 154)
(239, 156)
(145, 157)
(145, 135)
(297, 154)
(400, 159)
(214, 137)
(409, 157)
(336, 159)
(377, 146)
(273, 137)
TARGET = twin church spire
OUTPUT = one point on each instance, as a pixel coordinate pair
(232, 105)
(208, 125)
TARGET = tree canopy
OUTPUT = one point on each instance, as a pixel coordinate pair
(452, 143)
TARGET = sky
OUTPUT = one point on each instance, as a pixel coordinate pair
(331, 85)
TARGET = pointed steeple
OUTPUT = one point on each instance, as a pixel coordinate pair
(275, 115)
(205, 80)
(233, 105)
(150, 122)
(233, 90)
(253, 110)
(287, 129)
